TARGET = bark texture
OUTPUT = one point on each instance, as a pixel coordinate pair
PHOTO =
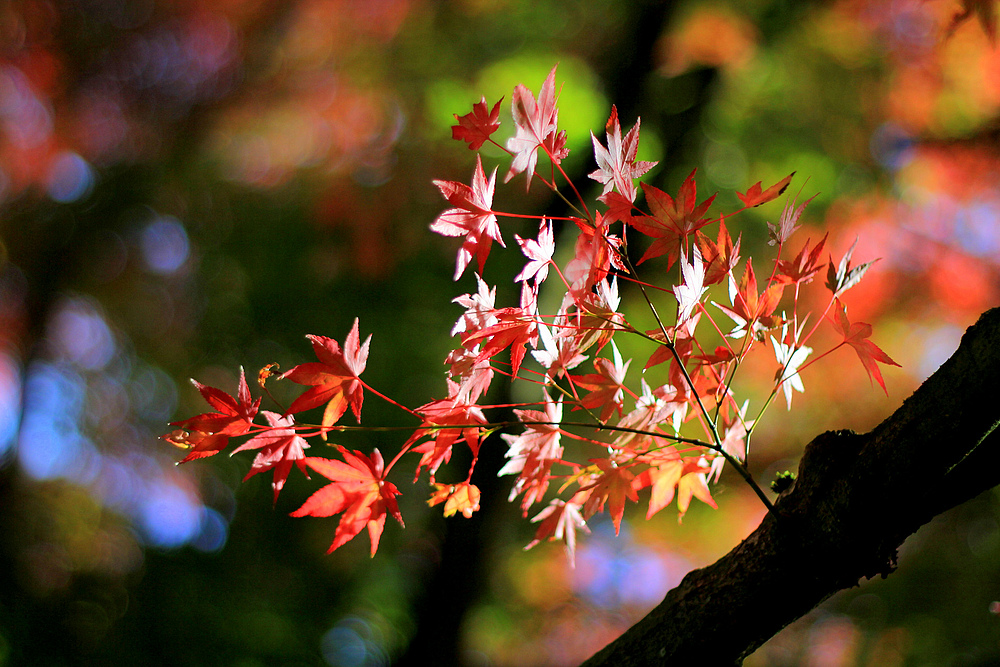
(857, 497)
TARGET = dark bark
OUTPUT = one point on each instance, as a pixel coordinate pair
(857, 497)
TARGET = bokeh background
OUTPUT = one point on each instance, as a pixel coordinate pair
(189, 186)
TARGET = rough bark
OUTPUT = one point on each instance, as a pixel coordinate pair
(857, 497)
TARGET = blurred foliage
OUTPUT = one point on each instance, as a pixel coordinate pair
(187, 187)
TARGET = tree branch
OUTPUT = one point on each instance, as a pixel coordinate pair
(857, 497)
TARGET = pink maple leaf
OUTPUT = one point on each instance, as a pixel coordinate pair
(279, 448)
(617, 165)
(472, 217)
(537, 127)
(538, 252)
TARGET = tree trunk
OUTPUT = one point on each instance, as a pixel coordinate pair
(857, 497)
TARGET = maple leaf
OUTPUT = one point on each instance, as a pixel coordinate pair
(690, 290)
(479, 309)
(617, 165)
(358, 489)
(856, 335)
(472, 217)
(280, 448)
(789, 359)
(720, 257)
(844, 277)
(539, 252)
(207, 434)
(754, 196)
(804, 267)
(790, 215)
(515, 328)
(533, 452)
(606, 386)
(670, 475)
(463, 497)
(559, 354)
(473, 377)
(751, 309)
(445, 421)
(334, 378)
(536, 124)
(596, 251)
(476, 126)
(559, 521)
(672, 220)
(612, 487)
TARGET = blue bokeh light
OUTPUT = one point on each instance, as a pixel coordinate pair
(70, 178)
(164, 244)
(168, 516)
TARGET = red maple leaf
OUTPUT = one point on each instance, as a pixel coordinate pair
(720, 256)
(280, 447)
(672, 220)
(359, 490)
(334, 378)
(606, 386)
(472, 217)
(445, 421)
(207, 434)
(612, 487)
(754, 196)
(559, 522)
(514, 328)
(476, 126)
(749, 308)
(804, 267)
(856, 335)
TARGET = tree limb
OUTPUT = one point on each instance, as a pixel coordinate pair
(857, 497)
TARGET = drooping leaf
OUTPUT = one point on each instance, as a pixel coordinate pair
(612, 487)
(358, 489)
(278, 449)
(856, 335)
